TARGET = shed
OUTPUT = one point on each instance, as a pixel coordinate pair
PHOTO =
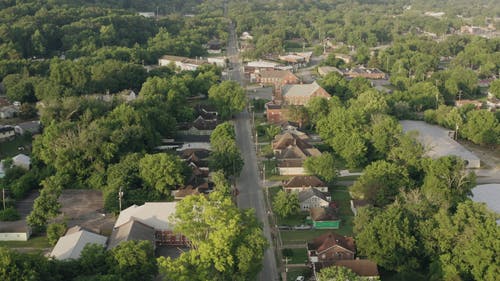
(22, 161)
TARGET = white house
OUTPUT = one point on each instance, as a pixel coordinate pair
(313, 198)
(70, 246)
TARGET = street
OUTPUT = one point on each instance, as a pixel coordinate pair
(249, 183)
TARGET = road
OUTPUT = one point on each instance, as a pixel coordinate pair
(249, 183)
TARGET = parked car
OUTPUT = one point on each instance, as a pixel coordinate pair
(300, 278)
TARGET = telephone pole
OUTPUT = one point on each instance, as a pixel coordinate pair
(120, 196)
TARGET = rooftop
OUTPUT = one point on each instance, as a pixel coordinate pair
(132, 230)
(306, 194)
(489, 194)
(154, 214)
(437, 140)
(330, 239)
(363, 268)
(300, 90)
(71, 245)
(302, 181)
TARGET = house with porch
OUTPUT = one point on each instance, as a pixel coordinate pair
(313, 198)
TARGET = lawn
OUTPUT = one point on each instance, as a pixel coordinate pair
(10, 148)
(300, 236)
(293, 273)
(39, 242)
(296, 256)
(341, 196)
(294, 220)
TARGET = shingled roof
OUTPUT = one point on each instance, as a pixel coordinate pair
(363, 268)
(132, 230)
(331, 239)
(306, 194)
(305, 181)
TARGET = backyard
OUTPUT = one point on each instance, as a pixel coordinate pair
(21, 144)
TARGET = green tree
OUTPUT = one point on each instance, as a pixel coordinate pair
(272, 131)
(336, 85)
(389, 240)
(298, 114)
(161, 171)
(225, 154)
(133, 260)
(317, 108)
(380, 183)
(226, 242)
(55, 231)
(468, 243)
(46, 206)
(482, 127)
(286, 204)
(446, 182)
(337, 273)
(228, 97)
(322, 166)
(384, 133)
(495, 88)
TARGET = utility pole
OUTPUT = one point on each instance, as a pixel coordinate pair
(3, 198)
(286, 267)
(120, 196)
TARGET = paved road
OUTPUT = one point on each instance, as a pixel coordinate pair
(249, 183)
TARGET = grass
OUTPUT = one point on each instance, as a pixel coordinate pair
(293, 273)
(10, 148)
(39, 242)
(295, 220)
(300, 236)
(348, 178)
(341, 196)
(299, 256)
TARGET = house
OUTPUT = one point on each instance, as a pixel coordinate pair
(301, 183)
(182, 62)
(14, 231)
(275, 112)
(293, 59)
(70, 245)
(368, 73)
(214, 46)
(7, 133)
(477, 104)
(302, 93)
(366, 269)
(218, 61)
(324, 70)
(256, 66)
(289, 145)
(7, 112)
(32, 127)
(313, 198)
(22, 161)
(199, 127)
(324, 218)
(276, 77)
(155, 215)
(329, 248)
(132, 230)
(291, 150)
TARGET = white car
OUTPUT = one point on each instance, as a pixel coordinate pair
(300, 278)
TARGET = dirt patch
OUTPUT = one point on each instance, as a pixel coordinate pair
(85, 208)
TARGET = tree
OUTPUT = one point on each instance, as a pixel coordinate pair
(322, 166)
(389, 240)
(317, 108)
(55, 231)
(383, 134)
(161, 171)
(298, 114)
(228, 97)
(468, 243)
(336, 85)
(424, 95)
(46, 206)
(272, 131)
(226, 242)
(286, 204)
(133, 260)
(337, 273)
(380, 183)
(495, 88)
(482, 127)
(446, 182)
(225, 154)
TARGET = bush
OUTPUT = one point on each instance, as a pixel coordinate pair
(55, 231)
(9, 214)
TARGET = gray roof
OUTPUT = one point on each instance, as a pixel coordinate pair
(70, 246)
(154, 214)
(300, 90)
(132, 230)
(437, 140)
(310, 192)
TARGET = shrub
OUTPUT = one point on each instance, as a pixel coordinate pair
(9, 214)
(55, 231)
